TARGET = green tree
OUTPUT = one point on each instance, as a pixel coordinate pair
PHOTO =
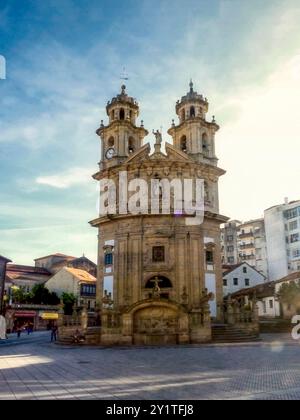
(19, 295)
(69, 300)
(290, 293)
(41, 295)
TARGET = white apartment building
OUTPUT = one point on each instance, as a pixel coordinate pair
(282, 225)
(245, 242)
(230, 252)
(252, 245)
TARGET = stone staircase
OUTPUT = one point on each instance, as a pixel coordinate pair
(224, 333)
(92, 337)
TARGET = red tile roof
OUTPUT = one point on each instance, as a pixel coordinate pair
(290, 277)
(54, 255)
(25, 269)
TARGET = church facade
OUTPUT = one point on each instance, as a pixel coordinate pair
(159, 277)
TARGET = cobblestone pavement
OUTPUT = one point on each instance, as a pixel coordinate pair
(35, 337)
(268, 370)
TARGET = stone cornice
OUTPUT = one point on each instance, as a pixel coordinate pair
(202, 169)
(118, 217)
(191, 121)
(118, 123)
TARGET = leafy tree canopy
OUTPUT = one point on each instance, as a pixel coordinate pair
(290, 292)
(38, 295)
(69, 300)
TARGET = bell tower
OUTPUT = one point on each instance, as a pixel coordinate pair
(121, 137)
(194, 135)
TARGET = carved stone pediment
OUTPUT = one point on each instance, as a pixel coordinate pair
(140, 155)
(158, 156)
(175, 154)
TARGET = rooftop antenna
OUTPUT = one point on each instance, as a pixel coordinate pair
(124, 75)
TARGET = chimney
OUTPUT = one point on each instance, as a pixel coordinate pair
(286, 200)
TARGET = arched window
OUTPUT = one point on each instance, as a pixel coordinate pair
(183, 145)
(183, 115)
(122, 114)
(163, 283)
(131, 148)
(192, 112)
(111, 142)
(205, 148)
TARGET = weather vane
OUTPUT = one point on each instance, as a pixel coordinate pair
(124, 75)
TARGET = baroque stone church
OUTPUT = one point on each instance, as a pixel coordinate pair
(159, 278)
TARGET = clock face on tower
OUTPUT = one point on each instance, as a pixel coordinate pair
(110, 153)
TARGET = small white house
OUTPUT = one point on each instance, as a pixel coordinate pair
(269, 305)
(239, 277)
(268, 302)
(265, 297)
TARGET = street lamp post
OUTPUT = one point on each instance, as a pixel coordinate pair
(3, 262)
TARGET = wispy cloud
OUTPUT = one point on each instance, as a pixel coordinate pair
(242, 55)
(264, 142)
(70, 178)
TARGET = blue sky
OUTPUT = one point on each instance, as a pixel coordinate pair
(64, 59)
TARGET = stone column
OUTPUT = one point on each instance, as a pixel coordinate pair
(237, 313)
(127, 329)
(220, 312)
(84, 319)
(60, 320)
(206, 316)
(3, 263)
(255, 315)
(230, 314)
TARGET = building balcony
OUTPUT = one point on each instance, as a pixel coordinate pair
(245, 234)
(88, 295)
(247, 246)
(247, 257)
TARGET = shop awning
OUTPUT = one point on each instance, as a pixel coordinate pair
(25, 314)
(49, 315)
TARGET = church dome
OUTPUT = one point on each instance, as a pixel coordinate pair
(192, 97)
(122, 99)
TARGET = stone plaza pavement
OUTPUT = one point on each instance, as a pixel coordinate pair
(41, 370)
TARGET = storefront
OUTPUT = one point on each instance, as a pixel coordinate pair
(37, 317)
(50, 318)
(23, 319)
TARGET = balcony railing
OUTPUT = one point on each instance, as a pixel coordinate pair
(247, 246)
(247, 257)
(245, 234)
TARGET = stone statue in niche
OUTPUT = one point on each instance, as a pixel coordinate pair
(184, 296)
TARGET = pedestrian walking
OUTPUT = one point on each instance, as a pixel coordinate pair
(19, 330)
(53, 333)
